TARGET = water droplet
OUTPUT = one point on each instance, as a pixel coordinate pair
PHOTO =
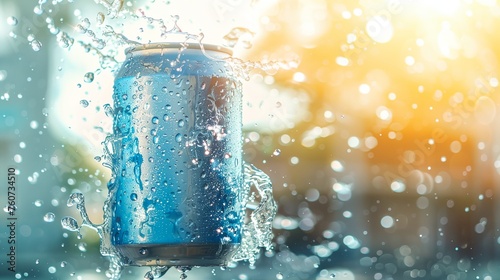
(143, 251)
(232, 217)
(64, 40)
(49, 217)
(38, 10)
(183, 270)
(178, 137)
(34, 124)
(98, 43)
(100, 18)
(166, 117)
(75, 198)
(69, 223)
(38, 203)
(133, 196)
(181, 123)
(149, 276)
(277, 152)
(279, 276)
(36, 45)
(88, 77)
(3, 75)
(155, 120)
(52, 269)
(85, 23)
(12, 21)
(64, 263)
(82, 246)
(84, 103)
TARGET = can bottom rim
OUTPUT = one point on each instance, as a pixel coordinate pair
(176, 255)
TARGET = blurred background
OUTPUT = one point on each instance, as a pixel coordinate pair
(382, 144)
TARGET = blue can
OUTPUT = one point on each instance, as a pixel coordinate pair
(178, 187)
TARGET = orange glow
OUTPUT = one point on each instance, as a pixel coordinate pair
(418, 78)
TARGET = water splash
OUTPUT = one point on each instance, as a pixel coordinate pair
(103, 230)
(156, 272)
(101, 40)
(257, 232)
(183, 270)
(164, 30)
(239, 35)
(114, 7)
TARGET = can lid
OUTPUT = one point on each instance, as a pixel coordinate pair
(179, 46)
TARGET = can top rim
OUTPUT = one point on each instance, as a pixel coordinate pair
(179, 45)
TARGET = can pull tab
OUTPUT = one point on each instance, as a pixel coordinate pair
(257, 231)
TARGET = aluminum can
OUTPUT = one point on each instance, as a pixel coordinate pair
(177, 156)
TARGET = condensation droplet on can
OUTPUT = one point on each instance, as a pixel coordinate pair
(133, 196)
(178, 137)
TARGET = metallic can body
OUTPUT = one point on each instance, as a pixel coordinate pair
(177, 157)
